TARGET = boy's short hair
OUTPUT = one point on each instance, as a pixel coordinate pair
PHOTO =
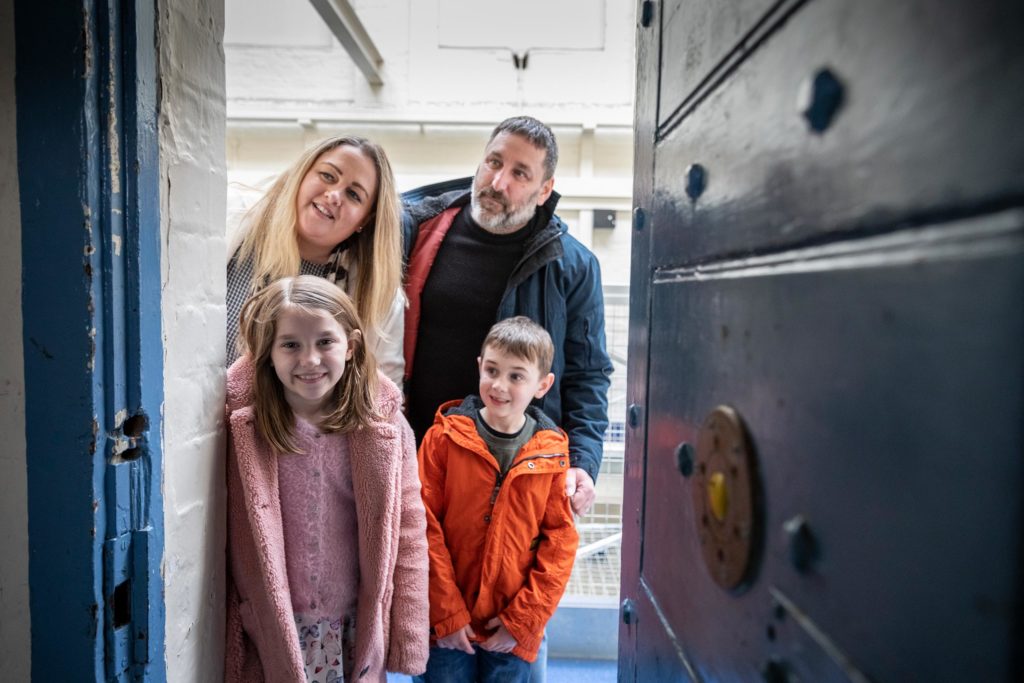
(520, 336)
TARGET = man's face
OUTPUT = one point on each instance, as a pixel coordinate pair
(509, 184)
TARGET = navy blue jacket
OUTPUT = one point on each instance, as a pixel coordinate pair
(557, 283)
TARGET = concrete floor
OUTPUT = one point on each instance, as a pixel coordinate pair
(582, 670)
(564, 671)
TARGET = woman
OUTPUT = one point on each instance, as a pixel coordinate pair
(334, 214)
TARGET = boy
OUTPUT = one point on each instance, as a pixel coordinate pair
(499, 527)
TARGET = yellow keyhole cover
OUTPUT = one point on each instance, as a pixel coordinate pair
(718, 495)
(725, 495)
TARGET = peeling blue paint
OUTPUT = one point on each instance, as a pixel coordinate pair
(91, 304)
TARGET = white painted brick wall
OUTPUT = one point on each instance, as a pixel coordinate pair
(14, 615)
(192, 175)
(293, 70)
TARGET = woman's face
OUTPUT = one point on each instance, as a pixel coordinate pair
(336, 197)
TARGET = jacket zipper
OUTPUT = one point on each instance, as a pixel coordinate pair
(500, 479)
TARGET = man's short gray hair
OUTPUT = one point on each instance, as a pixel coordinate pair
(539, 135)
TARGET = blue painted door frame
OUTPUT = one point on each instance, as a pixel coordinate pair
(86, 87)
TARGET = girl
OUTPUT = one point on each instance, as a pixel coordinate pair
(327, 554)
(334, 213)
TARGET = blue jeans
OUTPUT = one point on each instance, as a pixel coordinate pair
(455, 666)
(539, 668)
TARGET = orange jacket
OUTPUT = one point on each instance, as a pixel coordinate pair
(499, 546)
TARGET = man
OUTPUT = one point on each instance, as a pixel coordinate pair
(507, 255)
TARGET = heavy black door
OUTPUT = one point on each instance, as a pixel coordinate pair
(825, 472)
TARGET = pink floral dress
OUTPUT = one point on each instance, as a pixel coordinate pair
(321, 550)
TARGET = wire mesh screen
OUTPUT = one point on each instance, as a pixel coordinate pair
(595, 576)
(616, 316)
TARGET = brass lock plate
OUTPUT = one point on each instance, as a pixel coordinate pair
(725, 498)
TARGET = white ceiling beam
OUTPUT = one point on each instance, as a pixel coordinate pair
(243, 116)
(344, 23)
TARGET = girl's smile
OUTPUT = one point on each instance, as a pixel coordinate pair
(311, 379)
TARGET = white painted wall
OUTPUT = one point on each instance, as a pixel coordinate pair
(448, 78)
(441, 63)
(15, 651)
(192, 175)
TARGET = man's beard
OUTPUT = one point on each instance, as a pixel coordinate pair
(505, 221)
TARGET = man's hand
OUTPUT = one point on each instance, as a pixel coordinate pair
(502, 640)
(580, 489)
(458, 640)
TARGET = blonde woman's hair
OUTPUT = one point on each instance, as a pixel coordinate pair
(351, 401)
(269, 236)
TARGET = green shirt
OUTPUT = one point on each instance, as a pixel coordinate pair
(504, 447)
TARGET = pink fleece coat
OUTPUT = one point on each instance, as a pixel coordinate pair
(392, 613)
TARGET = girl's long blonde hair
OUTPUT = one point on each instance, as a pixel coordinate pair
(269, 234)
(351, 403)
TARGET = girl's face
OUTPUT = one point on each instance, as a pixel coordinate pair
(336, 197)
(309, 355)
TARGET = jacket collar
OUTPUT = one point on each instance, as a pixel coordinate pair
(472, 404)
(457, 419)
(430, 207)
(543, 246)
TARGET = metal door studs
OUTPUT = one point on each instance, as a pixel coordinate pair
(696, 181)
(646, 13)
(684, 459)
(820, 98)
(628, 612)
(803, 547)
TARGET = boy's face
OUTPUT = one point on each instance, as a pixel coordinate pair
(507, 385)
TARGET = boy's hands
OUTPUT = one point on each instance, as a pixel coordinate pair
(458, 640)
(580, 489)
(502, 640)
